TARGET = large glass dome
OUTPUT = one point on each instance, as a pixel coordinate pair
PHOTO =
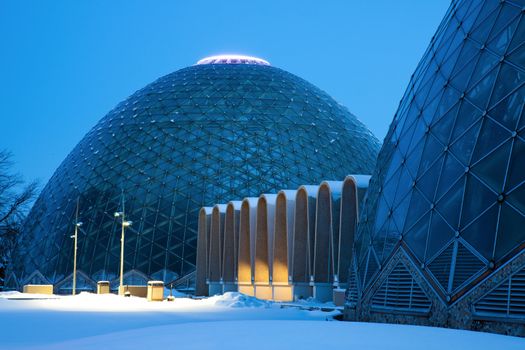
(446, 204)
(226, 128)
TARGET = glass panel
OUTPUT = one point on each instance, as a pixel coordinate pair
(490, 136)
(416, 238)
(482, 232)
(508, 111)
(484, 199)
(509, 78)
(480, 92)
(452, 171)
(516, 175)
(439, 236)
(449, 206)
(510, 233)
(462, 148)
(492, 168)
(418, 206)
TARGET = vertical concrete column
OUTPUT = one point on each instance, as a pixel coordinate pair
(245, 266)
(335, 205)
(215, 253)
(263, 245)
(303, 241)
(322, 276)
(283, 232)
(231, 234)
(203, 238)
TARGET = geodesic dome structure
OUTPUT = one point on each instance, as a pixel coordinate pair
(225, 128)
(442, 235)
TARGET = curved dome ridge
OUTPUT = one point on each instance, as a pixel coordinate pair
(204, 134)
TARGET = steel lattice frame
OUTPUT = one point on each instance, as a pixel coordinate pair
(449, 187)
(204, 134)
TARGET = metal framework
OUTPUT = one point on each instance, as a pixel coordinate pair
(447, 200)
(201, 135)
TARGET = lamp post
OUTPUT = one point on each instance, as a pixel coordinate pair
(75, 236)
(124, 225)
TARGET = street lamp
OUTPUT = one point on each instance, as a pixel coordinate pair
(75, 236)
(124, 225)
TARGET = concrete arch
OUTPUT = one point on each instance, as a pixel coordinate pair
(264, 234)
(283, 234)
(230, 246)
(245, 265)
(353, 192)
(203, 238)
(303, 240)
(282, 245)
(324, 233)
(215, 252)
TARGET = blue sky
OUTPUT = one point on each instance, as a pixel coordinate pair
(64, 64)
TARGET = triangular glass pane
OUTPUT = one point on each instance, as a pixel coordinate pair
(440, 234)
(400, 212)
(516, 173)
(450, 204)
(391, 240)
(441, 128)
(381, 213)
(467, 115)
(468, 13)
(452, 55)
(478, 199)
(485, 21)
(510, 232)
(427, 182)
(379, 237)
(508, 79)
(429, 112)
(418, 206)
(432, 150)
(390, 188)
(404, 185)
(508, 111)
(394, 164)
(452, 171)
(372, 267)
(490, 136)
(416, 238)
(519, 34)
(464, 66)
(479, 92)
(501, 32)
(481, 233)
(462, 148)
(517, 198)
(405, 140)
(414, 157)
(492, 168)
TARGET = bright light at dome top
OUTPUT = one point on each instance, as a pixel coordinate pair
(233, 59)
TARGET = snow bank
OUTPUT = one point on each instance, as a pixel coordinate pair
(232, 320)
(273, 335)
(234, 299)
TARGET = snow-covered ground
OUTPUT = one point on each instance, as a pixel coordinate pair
(231, 321)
